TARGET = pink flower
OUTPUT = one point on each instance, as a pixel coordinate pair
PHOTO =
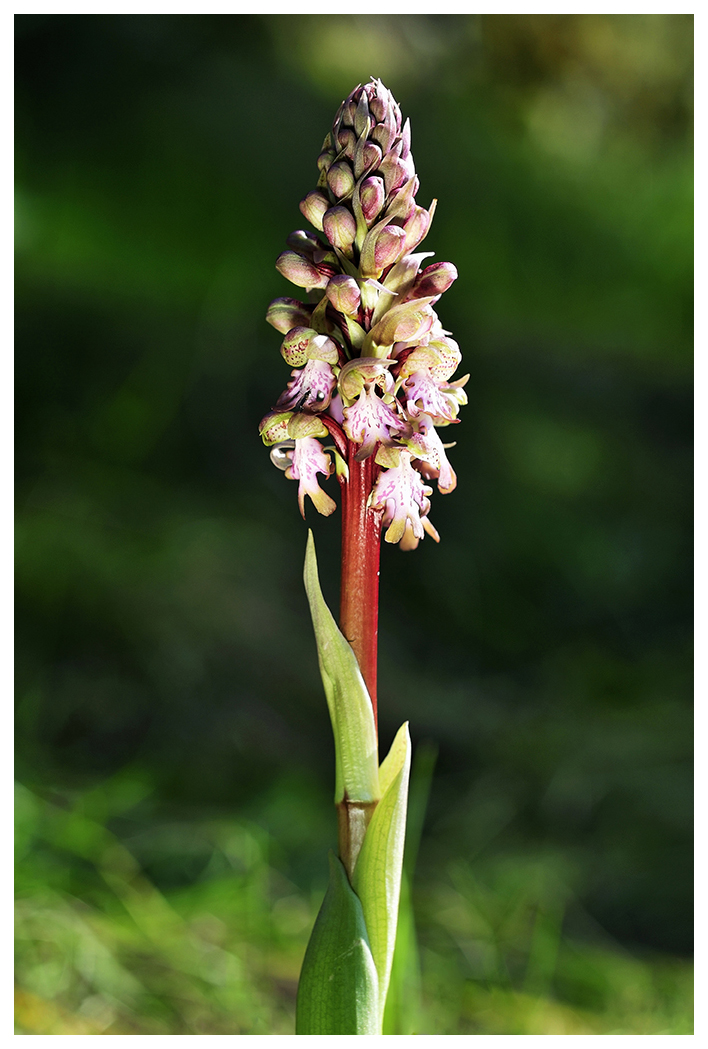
(401, 494)
(425, 396)
(427, 446)
(310, 388)
(370, 421)
(309, 459)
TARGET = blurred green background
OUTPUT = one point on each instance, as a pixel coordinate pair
(174, 761)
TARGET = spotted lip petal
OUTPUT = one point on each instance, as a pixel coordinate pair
(311, 388)
(427, 446)
(424, 396)
(401, 494)
(370, 421)
(309, 459)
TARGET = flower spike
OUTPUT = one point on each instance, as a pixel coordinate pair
(371, 361)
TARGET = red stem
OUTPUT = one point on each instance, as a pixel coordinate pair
(361, 548)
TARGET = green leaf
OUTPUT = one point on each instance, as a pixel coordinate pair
(338, 991)
(377, 875)
(355, 740)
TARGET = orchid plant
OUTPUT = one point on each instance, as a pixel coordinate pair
(372, 379)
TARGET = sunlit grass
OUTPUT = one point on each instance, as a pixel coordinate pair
(101, 950)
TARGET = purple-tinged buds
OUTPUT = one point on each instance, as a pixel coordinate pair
(416, 227)
(340, 179)
(394, 171)
(382, 245)
(347, 142)
(339, 226)
(313, 208)
(305, 242)
(372, 195)
(382, 134)
(407, 322)
(344, 294)
(406, 138)
(362, 120)
(285, 313)
(434, 280)
(300, 271)
(367, 157)
(324, 161)
(388, 247)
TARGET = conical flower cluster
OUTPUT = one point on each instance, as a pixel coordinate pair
(372, 365)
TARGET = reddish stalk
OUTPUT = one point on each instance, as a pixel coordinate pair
(361, 549)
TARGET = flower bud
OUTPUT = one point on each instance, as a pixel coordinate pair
(313, 208)
(372, 195)
(347, 142)
(388, 247)
(305, 242)
(382, 134)
(324, 161)
(296, 344)
(394, 171)
(339, 226)
(343, 292)
(367, 158)
(416, 227)
(285, 313)
(273, 427)
(362, 120)
(300, 271)
(340, 179)
(434, 280)
(303, 425)
(406, 138)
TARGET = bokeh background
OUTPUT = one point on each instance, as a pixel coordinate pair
(174, 761)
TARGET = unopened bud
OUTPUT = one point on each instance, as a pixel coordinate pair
(324, 161)
(340, 179)
(416, 227)
(295, 345)
(274, 427)
(343, 292)
(434, 280)
(362, 120)
(347, 142)
(304, 425)
(300, 271)
(285, 313)
(388, 247)
(313, 208)
(305, 242)
(382, 134)
(339, 226)
(394, 171)
(372, 195)
(367, 157)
